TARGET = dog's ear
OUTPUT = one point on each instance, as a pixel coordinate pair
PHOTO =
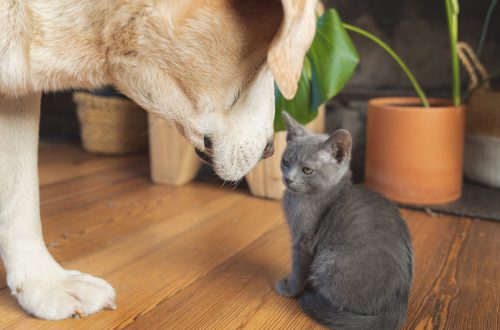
(289, 46)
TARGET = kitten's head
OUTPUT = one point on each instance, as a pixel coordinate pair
(314, 162)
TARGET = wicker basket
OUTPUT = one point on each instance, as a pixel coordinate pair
(111, 125)
(482, 142)
(484, 115)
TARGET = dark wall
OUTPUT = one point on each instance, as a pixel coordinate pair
(417, 30)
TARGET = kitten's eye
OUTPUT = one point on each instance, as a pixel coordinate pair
(285, 163)
(307, 170)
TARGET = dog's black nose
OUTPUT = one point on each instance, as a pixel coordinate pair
(268, 151)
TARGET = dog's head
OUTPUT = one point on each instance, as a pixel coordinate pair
(209, 66)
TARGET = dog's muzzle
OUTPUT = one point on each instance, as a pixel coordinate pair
(206, 156)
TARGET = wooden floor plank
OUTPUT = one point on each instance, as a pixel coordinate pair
(476, 282)
(123, 215)
(79, 192)
(204, 257)
(60, 162)
(76, 233)
(432, 241)
(209, 303)
(194, 243)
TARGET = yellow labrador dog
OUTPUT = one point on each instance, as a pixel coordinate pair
(207, 65)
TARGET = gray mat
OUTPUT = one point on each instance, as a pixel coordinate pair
(477, 201)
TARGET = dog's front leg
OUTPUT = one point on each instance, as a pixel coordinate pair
(42, 287)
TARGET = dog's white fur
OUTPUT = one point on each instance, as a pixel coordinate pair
(184, 60)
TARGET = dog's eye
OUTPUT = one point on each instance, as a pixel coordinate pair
(307, 170)
(285, 162)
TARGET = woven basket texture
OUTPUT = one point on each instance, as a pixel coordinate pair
(111, 125)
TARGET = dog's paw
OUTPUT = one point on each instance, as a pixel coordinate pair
(284, 288)
(67, 294)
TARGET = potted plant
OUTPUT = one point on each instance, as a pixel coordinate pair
(408, 139)
(414, 148)
(328, 66)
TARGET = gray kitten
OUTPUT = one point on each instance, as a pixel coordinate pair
(352, 254)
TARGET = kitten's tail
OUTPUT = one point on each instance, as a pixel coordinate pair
(322, 311)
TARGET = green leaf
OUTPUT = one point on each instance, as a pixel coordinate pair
(333, 58)
(298, 107)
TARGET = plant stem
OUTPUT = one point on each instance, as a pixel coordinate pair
(486, 26)
(452, 14)
(395, 56)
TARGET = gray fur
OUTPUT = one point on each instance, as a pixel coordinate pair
(351, 250)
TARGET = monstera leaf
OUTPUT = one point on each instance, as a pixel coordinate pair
(328, 66)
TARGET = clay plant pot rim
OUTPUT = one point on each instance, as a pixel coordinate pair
(407, 104)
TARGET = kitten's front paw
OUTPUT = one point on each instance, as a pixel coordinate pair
(284, 288)
(64, 294)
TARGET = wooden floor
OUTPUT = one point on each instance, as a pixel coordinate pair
(206, 257)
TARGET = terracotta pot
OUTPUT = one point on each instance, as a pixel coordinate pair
(264, 180)
(414, 155)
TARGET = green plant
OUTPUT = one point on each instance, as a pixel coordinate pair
(333, 58)
(452, 11)
(328, 66)
(395, 56)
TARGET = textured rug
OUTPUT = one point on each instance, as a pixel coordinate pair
(477, 201)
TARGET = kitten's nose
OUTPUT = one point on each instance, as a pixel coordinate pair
(288, 181)
(268, 151)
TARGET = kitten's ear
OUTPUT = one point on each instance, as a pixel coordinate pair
(339, 145)
(293, 128)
